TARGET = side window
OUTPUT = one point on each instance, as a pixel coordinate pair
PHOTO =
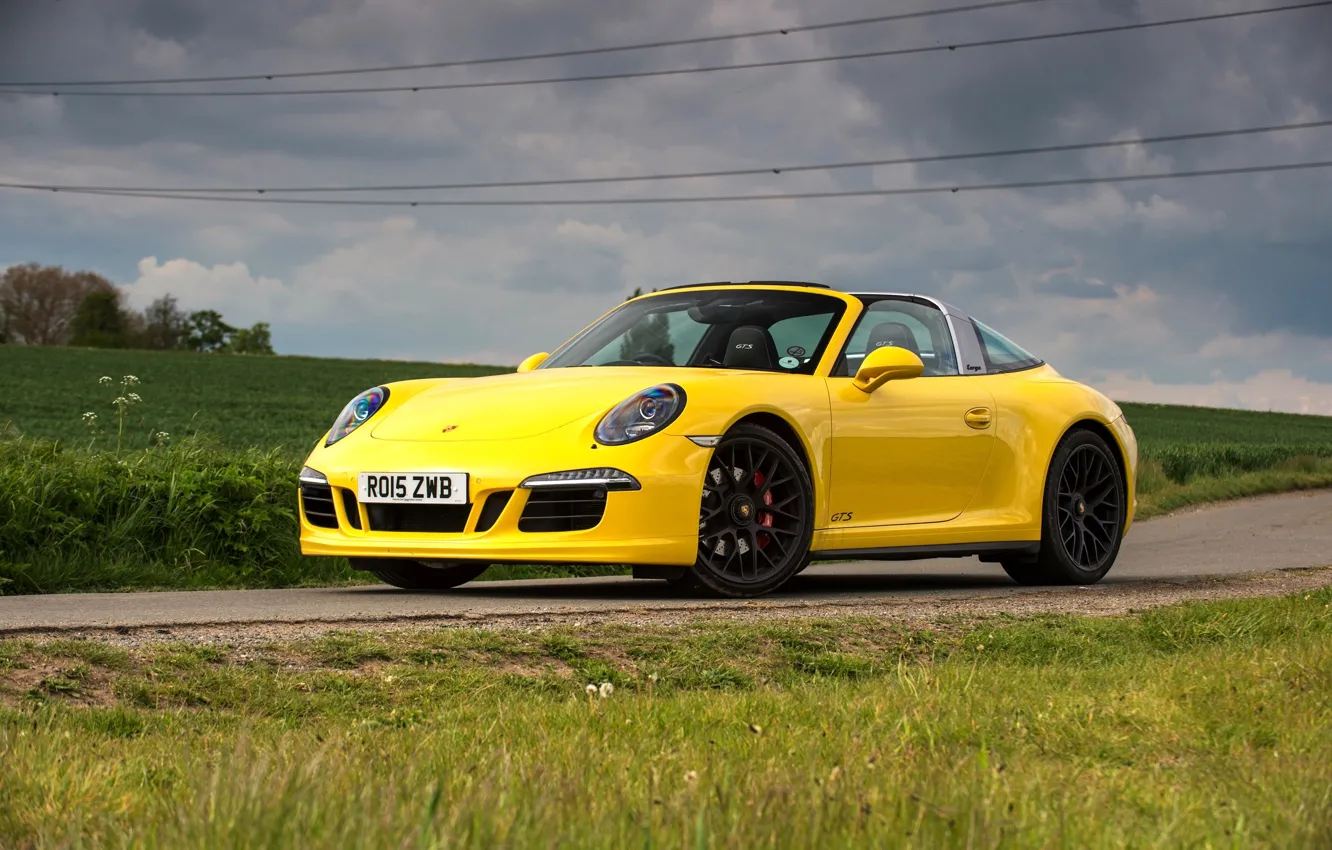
(1001, 353)
(918, 327)
(799, 336)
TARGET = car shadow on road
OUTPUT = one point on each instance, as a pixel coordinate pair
(823, 583)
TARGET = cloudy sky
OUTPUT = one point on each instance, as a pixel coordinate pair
(1213, 290)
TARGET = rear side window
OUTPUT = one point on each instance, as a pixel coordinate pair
(894, 321)
(1001, 353)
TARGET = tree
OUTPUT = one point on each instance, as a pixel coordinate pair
(207, 332)
(40, 302)
(253, 340)
(165, 326)
(100, 321)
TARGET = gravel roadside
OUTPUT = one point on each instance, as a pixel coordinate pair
(1096, 600)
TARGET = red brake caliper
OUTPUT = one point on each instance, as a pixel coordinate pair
(764, 517)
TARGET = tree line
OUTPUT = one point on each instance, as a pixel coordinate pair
(47, 305)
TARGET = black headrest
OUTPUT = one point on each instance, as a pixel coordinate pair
(750, 347)
(892, 333)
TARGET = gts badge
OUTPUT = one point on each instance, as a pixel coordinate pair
(842, 517)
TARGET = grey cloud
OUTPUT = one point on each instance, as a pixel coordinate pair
(1242, 256)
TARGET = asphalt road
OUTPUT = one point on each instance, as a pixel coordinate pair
(1260, 535)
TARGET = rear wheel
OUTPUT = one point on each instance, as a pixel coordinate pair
(756, 517)
(1082, 521)
(418, 575)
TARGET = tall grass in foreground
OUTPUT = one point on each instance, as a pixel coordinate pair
(1204, 725)
(187, 515)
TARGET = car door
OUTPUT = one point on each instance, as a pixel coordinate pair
(914, 450)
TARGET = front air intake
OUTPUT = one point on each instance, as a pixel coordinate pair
(349, 508)
(492, 508)
(317, 502)
(563, 509)
(428, 519)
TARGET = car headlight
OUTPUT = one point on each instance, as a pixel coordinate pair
(357, 411)
(641, 415)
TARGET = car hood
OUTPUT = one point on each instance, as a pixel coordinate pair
(513, 406)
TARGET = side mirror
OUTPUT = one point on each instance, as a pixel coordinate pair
(534, 361)
(885, 364)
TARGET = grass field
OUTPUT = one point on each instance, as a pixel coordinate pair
(282, 403)
(220, 511)
(1201, 725)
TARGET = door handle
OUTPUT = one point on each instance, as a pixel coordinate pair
(978, 418)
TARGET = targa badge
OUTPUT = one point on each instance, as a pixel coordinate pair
(788, 362)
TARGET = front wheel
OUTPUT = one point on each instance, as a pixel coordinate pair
(756, 518)
(416, 575)
(1082, 518)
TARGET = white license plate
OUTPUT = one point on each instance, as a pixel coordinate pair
(421, 488)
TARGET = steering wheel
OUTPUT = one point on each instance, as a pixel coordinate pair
(647, 358)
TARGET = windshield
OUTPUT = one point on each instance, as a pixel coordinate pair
(765, 329)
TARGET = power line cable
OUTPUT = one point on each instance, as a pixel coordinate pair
(785, 196)
(525, 57)
(684, 175)
(668, 72)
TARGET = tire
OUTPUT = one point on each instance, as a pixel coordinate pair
(1082, 516)
(756, 515)
(414, 575)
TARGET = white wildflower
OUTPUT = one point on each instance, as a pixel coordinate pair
(90, 417)
(130, 380)
(606, 689)
(134, 398)
(120, 399)
(591, 690)
(652, 677)
(104, 380)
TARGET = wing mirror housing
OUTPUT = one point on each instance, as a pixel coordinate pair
(885, 364)
(534, 361)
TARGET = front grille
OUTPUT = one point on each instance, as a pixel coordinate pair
(491, 510)
(560, 509)
(436, 519)
(317, 499)
(349, 508)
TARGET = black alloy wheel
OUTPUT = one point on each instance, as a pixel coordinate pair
(755, 521)
(1082, 523)
(418, 575)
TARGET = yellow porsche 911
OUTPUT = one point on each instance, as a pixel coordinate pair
(723, 435)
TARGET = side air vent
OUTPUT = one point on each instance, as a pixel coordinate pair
(491, 510)
(431, 519)
(349, 508)
(317, 499)
(560, 509)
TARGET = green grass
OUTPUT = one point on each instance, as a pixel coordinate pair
(1184, 443)
(281, 403)
(1200, 725)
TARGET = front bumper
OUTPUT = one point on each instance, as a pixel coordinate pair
(657, 524)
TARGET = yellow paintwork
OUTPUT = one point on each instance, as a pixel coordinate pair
(887, 364)
(533, 361)
(917, 461)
